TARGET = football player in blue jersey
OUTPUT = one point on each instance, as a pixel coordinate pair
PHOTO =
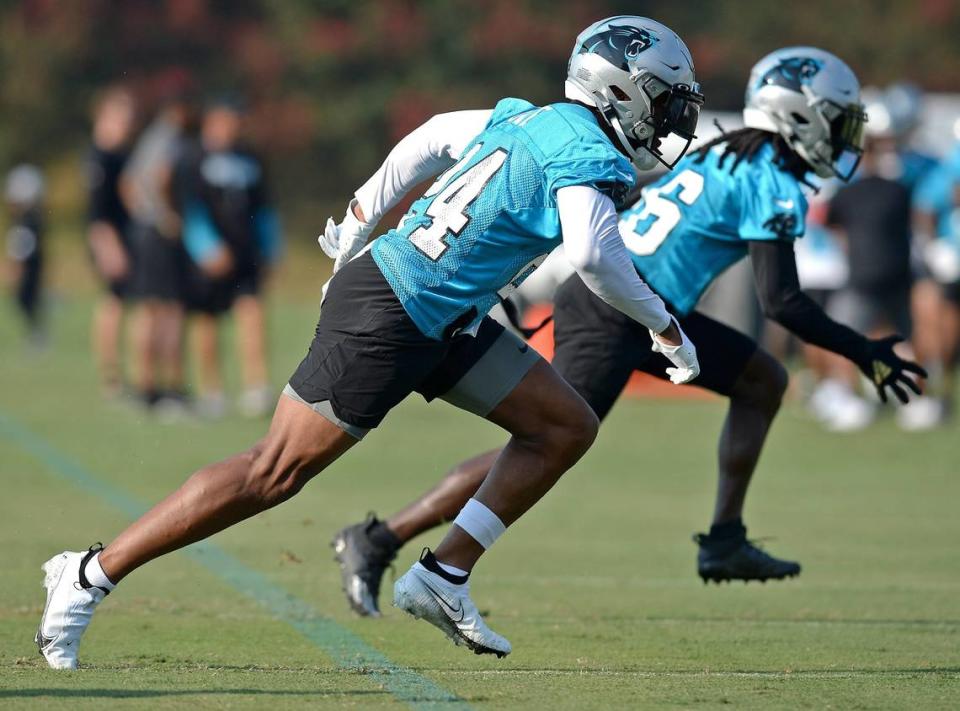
(740, 195)
(903, 103)
(936, 294)
(409, 315)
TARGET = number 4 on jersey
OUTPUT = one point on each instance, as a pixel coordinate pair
(448, 208)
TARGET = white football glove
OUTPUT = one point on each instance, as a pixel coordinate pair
(683, 356)
(344, 241)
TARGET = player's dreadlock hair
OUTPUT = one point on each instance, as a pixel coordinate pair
(745, 143)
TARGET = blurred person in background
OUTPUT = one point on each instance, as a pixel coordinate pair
(823, 272)
(898, 119)
(909, 165)
(937, 224)
(871, 217)
(894, 117)
(147, 189)
(23, 194)
(107, 230)
(232, 236)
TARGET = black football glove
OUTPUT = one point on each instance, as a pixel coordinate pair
(886, 369)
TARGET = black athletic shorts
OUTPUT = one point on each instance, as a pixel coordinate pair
(204, 295)
(597, 348)
(367, 355)
(159, 263)
(247, 279)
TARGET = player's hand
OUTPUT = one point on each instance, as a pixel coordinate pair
(673, 343)
(888, 370)
(344, 241)
(218, 264)
(108, 253)
(330, 239)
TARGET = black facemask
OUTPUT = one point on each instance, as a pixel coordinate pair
(846, 137)
(675, 111)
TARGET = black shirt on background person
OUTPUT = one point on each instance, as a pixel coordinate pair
(103, 175)
(874, 215)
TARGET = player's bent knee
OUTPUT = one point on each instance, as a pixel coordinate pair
(763, 383)
(261, 473)
(573, 436)
(277, 473)
(544, 414)
(773, 385)
(588, 427)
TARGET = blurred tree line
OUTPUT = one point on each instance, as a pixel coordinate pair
(332, 83)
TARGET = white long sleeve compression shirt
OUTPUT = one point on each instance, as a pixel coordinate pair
(427, 151)
(592, 242)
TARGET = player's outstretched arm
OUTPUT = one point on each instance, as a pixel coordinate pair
(433, 147)
(592, 242)
(778, 286)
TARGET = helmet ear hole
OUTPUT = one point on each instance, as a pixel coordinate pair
(799, 118)
(619, 93)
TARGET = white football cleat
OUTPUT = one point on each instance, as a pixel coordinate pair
(69, 608)
(839, 409)
(921, 414)
(427, 596)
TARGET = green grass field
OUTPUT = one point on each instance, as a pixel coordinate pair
(595, 588)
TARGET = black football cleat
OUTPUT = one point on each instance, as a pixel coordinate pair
(364, 552)
(726, 559)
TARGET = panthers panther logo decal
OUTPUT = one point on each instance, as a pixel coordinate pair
(619, 44)
(792, 72)
(782, 225)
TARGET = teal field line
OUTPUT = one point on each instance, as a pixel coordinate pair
(348, 651)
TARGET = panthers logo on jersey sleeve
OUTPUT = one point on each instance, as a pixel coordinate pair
(772, 204)
(782, 224)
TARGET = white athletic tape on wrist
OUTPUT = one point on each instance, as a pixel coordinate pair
(483, 525)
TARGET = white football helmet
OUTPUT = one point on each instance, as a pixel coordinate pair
(24, 186)
(812, 99)
(904, 102)
(639, 76)
(879, 121)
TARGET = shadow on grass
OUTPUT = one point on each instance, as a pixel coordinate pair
(645, 673)
(159, 693)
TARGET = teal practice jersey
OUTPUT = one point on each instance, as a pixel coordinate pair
(693, 223)
(936, 195)
(487, 222)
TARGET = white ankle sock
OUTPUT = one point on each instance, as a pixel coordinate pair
(452, 569)
(96, 576)
(482, 524)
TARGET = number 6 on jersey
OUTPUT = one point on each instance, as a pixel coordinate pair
(646, 241)
(448, 208)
